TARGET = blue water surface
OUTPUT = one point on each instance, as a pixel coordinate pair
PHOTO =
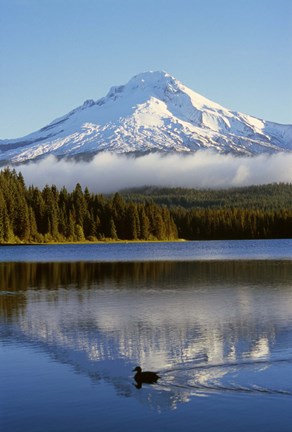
(162, 251)
(214, 319)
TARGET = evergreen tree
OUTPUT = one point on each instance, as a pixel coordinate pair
(2, 218)
(51, 212)
(144, 224)
(80, 205)
(132, 222)
(113, 231)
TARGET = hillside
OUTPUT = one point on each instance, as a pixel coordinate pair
(264, 197)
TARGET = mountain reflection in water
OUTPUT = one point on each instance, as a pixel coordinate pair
(204, 326)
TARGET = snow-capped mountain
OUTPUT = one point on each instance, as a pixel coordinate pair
(152, 112)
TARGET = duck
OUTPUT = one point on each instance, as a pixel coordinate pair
(145, 377)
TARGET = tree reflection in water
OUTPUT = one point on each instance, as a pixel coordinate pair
(202, 325)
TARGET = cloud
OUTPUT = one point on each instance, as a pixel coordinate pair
(109, 172)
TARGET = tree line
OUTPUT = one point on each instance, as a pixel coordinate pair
(31, 215)
(233, 223)
(275, 196)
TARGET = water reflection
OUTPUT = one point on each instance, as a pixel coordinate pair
(203, 325)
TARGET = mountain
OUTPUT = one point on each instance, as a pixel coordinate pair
(152, 112)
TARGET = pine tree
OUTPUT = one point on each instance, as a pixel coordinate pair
(2, 217)
(70, 231)
(133, 222)
(144, 224)
(80, 205)
(118, 207)
(51, 212)
(33, 226)
(113, 231)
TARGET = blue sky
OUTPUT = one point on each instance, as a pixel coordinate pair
(57, 53)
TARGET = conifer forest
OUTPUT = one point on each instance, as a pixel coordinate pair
(31, 215)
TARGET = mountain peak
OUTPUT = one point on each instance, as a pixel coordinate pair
(151, 80)
(151, 112)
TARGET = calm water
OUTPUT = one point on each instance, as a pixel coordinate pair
(182, 251)
(218, 331)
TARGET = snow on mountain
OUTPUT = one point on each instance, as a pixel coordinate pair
(152, 112)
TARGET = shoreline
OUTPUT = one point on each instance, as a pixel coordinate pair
(94, 242)
(110, 242)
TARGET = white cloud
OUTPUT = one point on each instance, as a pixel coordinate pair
(110, 172)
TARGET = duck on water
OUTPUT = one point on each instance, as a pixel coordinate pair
(144, 377)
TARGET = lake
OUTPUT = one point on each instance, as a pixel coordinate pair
(157, 251)
(214, 319)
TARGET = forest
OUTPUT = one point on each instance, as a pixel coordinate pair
(267, 197)
(31, 215)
